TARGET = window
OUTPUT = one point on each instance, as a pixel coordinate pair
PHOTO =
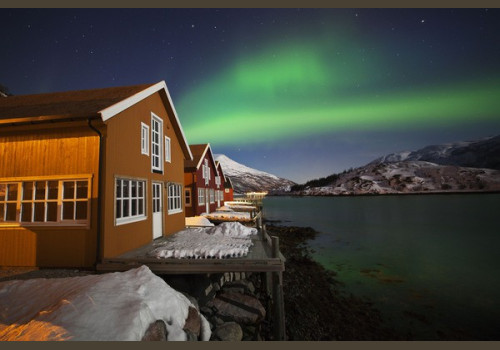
(130, 197)
(174, 198)
(212, 195)
(168, 156)
(201, 196)
(226, 190)
(156, 143)
(187, 197)
(45, 202)
(144, 139)
(217, 181)
(206, 172)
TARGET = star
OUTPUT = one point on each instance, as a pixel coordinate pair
(422, 21)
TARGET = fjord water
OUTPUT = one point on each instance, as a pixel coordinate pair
(429, 263)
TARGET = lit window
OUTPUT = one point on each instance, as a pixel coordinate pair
(168, 156)
(174, 198)
(144, 139)
(156, 143)
(130, 200)
(45, 202)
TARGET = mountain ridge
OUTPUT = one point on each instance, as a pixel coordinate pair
(246, 179)
(466, 166)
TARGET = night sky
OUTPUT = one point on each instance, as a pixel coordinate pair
(300, 93)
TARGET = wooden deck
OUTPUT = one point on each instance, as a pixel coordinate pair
(262, 257)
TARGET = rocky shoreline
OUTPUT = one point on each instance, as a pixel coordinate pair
(316, 307)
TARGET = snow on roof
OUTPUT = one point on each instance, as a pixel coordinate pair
(114, 306)
(227, 240)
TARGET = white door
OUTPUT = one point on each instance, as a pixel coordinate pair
(157, 210)
(207, 201)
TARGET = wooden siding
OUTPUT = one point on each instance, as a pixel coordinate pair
(199, 182)
(124, 159)
(64, 149)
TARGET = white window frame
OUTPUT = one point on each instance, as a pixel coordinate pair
(217, 181)
(201, 197)
(58, 198)
(155, 120)
(212, 196)
(121, 200)
(206, 172)
(144, 139)
(174, 198)
(188, 203)
(168, 151)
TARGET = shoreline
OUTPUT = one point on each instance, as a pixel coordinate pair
(317, 307)
(427, 193)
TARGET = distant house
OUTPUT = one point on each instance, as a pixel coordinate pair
(86, 175)
(228, 189)
(200, 181)
(219, 183)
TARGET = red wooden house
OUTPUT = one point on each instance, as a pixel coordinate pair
(219, 183)
(200, 181)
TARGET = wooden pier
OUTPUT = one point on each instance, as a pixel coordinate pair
(264, 257)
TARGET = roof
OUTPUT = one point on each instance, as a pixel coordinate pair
(218, 166)
(198, 152)
(83, 104)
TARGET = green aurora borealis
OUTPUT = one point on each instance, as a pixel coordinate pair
(298, 91)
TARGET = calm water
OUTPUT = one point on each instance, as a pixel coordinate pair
(430, 263)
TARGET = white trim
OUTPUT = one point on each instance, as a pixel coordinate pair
(118, 107)
(144, 139)
(168, 150)
(155, 118)
(113, 110)
(138, 217)
(172, 186)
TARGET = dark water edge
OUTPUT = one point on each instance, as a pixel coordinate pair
(429, 315)
(316, 306)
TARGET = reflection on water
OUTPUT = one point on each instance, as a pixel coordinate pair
(430, 263)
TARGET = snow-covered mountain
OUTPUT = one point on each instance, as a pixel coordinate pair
(453, 167)
(246, 179)
(483, 153)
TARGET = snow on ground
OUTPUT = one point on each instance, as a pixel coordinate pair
(198, 221)
(228, 215)
(114, 306)
(227, 240)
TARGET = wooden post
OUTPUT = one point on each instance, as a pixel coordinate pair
(279, 305)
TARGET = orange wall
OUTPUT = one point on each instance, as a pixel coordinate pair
(64, 149)
(124, 159)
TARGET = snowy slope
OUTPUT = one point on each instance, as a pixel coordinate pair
(409, 177)
(459, 166)
(115, 306)
(246, 179)
(483, 153)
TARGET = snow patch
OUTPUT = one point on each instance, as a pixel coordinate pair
(116, 306)
(227, 240)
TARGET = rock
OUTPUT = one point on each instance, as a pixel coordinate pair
(190, 336)
(229, 331)
(193, 323)
(157, 331)
(241, 308)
